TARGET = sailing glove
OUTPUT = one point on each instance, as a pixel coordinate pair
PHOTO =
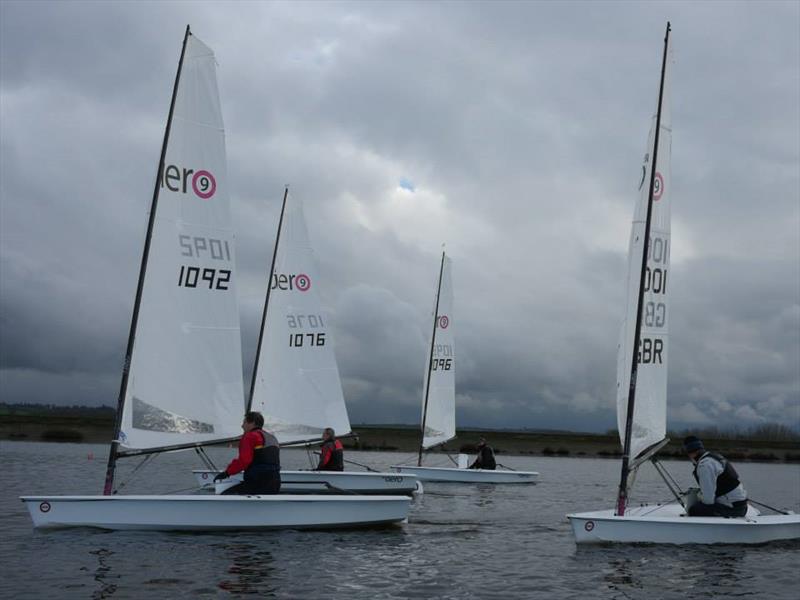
(221, 475)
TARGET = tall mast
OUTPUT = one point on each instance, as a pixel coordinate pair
(430, 359)
(626, 449)
(266, 300)
(123, 388)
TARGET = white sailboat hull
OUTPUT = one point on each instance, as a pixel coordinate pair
(445, 474)
(215, 513)
(321, 482)
(667, 524)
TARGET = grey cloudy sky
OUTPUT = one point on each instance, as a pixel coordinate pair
(512, 131)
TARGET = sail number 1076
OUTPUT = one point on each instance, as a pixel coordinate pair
(298, 340)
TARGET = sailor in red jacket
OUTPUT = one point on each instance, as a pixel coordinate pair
(332, 456)
(259, 458)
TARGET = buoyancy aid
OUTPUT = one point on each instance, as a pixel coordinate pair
(487, 458)
(332, 458)
(727, 481)
(266, 457)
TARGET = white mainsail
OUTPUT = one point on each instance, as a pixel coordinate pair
(650, 408)
(185, 379)
(439, 412)
(297, 386)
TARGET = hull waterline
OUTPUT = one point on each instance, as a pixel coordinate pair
(667, 524)
(322, 482)
(215, 513)
(444, 474)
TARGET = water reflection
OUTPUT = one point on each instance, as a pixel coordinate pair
(630, 571)
(722, 565)
(621, 577)
(102, 574)
(485, 493)
(250, 571)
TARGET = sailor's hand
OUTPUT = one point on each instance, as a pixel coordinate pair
(221, 475)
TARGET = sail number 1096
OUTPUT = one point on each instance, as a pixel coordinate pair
(441, 364)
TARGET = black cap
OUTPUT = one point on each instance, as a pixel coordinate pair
(692, 443)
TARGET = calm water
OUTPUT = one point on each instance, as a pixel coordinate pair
(461, 541)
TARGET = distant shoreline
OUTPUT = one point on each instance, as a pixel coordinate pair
(97, 429)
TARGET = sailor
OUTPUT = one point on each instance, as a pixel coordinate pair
(331, 457)
(721, 491)
(259, 458)
(485, 459)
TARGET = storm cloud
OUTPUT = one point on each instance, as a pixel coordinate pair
(513, 132)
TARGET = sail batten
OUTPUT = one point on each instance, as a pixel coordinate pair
(296, 383)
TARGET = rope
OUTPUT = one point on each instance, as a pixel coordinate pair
(659, 505)
(505, 467)
(132, 474)
(406, 460)
(205, 458)
(777, 510)
(330, 486)
(367, 467)
(178, 491)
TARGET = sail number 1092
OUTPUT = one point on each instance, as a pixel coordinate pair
(193, 277)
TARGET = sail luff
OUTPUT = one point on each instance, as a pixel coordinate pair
(623, 485)
(114, 448)
(266, 300)
(430, 358)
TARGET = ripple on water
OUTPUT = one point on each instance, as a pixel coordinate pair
(461, 542)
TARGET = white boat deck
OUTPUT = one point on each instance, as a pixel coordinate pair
(668, 524)
(215, 513)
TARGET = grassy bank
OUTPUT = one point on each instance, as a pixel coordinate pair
(79, 424)
(543, 443)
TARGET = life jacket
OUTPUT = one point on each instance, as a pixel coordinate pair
(266, 457)
(336, 461)
(487, 458)
(727, 481)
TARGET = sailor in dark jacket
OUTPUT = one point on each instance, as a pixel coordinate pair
(721, 491)
(331, 457)
(259, 458)
(485, 458)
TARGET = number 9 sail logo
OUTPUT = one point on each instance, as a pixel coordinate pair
(204, 184)
(658, 187)
(303, 282)
(444, 321)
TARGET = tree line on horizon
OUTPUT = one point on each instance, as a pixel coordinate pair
(767, 432)
(764, 432)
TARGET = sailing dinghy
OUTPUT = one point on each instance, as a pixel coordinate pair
(182, 385)
(642, 383)
(296, 383)
(439, 398)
